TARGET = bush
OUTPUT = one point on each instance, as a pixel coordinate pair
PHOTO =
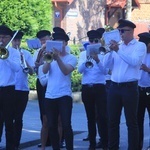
(76, 76)
(32, 82)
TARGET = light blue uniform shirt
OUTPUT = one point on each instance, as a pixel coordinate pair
(94, 75)
(144, 80)
(126, 62)
(21, 77)
(8, 68)
(59, 84)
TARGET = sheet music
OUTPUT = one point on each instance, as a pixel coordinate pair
(111, 35)
(93, 48)
(85, 44)
(33, 43)
(54, 44)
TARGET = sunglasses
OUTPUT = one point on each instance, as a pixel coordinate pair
(94, 40)
(123, 30)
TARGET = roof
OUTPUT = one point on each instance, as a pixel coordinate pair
(121, 3)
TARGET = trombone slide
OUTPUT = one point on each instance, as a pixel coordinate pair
(23, 62)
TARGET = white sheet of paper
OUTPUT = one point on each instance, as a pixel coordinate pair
(93, 48)
(54, 44)
(33, 43)
(85, 44)
(111, 35)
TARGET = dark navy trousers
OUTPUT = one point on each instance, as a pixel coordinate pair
(144, 104)
(59, 106)
(94, 99)
(125, 96)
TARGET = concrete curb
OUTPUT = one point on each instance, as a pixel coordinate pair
(75, 95)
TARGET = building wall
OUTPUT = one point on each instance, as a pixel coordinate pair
(141, 17)
(116, 15)
(81, 16)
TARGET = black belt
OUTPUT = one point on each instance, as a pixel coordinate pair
(7, 87)
(125, 84)
(144, 88)
(92, 85)
(108, 81)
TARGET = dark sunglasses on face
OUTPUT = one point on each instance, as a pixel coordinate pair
(93, 40)
(123, 30)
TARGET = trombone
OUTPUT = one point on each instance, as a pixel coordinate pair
(4, 53)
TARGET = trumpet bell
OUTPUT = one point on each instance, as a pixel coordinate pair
(102, 50)
(89, 64)
(48, 58)
(4, 53)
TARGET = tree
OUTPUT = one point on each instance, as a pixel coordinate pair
(27, 15)
(128, 9)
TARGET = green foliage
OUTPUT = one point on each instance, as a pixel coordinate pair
(76, 81)
(75, 50)
(108, 28)
(29, 16)
(32, 81)
(76, 76)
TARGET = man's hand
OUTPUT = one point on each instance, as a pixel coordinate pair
(145, 68)
(37, 64)
(95, 57)
(55, 54)
(114, 46)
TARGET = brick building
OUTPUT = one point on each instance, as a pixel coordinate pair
(79, 16)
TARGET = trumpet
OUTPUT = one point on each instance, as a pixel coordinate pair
(4, 53)
(108, 35)
(23, 62)
(106, 48)
(91, 49)
(89, 63)
(48, 57)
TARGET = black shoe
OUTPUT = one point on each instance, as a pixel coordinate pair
(86, 139)
(62, 144)
(47, 144)
(99, 145)
(91, 148)
(105, 148)
(17, 148)
(40, 145)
